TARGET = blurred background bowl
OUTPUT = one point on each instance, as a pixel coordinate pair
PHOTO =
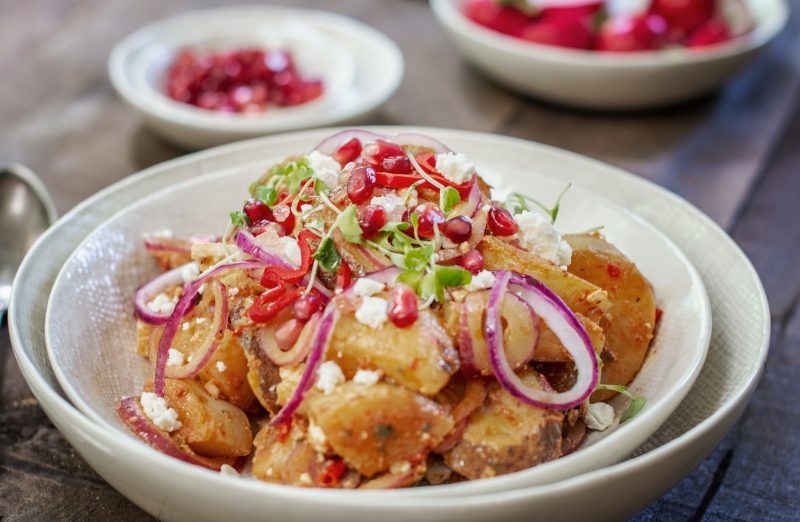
(608, 81)
(360, 67)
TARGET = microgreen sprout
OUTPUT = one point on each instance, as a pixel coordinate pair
(517, 203)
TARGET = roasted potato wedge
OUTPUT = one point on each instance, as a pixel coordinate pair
(505, 435)
(421, 357)
(550, 349)
(230, 377)
(211, 427)
(580, 295)
(373, 427)
(632, 312)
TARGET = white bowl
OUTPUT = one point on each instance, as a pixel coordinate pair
(171, 490)
(110, 264)
(360, 67)
(608, 81)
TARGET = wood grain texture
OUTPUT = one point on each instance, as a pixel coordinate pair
(735, 153)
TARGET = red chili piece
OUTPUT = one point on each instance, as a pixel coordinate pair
(613, 270)
(343, 276)
(332, 473)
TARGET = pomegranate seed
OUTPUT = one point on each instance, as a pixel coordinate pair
(488, 13)
(403, 309)
(501, 222)
(256, 210)
(287, 333)
(457, 229)
(429, 216)
(684, 16)
(283, 216)
(712, 32)
(472, 261)
(371, 219)
(632, 33)
(361, 184)
(378, 150)
(396, 165)
(348, 151)
(306, 306)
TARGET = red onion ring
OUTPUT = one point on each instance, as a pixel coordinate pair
(203, 355)
(130, 411)
(372, 258)
(332, 142)
(422, 140)
(470, 206)
(315, 356)
(298, 352)
(148, 291)
(562, 321)
(386, 276)
(159, 244)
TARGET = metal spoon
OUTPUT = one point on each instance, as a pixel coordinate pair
(26, 210)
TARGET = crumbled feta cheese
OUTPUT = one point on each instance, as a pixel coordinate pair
(317, 437)
(233, 291)
(162, 304)
(306, 208)
(599, 416)
(175, 358)
(191, 356)
(372, 312)
(228, 471)
(185, 326)
(189, 272)
(326, 169)
(400, 467)
(200, 320)
(221, 366)
(290, 249)
(367, 377)
(455, 167)
(329, 376)
(538, 235)
(393, 204)
(366, 287)
(157, 410)
(480, 281)
(305, 479)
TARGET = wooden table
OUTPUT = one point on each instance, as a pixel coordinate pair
(735, 154)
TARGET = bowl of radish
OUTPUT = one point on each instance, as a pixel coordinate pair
(611, 54)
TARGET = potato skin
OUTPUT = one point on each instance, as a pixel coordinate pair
(420, 357)
(373, 427)
(505, 435)
(211, 427)
(580, 295)
(631, 320)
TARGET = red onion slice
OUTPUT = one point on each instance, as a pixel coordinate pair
(202, 356)
(562, 321)
(332, 142)
(422, 140)
(130, 411)
(160, 244)
(148, 291)
(379, 262)
(315, 355)
(298, 352)
(470, 206)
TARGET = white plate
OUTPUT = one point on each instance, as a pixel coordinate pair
(738, 348)
(360, 67)
(608, 80)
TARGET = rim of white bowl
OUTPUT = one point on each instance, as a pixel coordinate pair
(142, 451)
(318, 112)
(767, 28)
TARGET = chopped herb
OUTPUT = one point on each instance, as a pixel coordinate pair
(448, 198)
(320, 186)
(449, 276)
(428, 287)
(327, 255)
(411, 278)
(414, 219)
(266, 194)
(517, 203)
(395, 226)
(348, 224)
(239, 219)
(417, 258)
(637, 401)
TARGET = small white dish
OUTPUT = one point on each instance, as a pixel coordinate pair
(173, 491)
(608, 81)
(360, 67)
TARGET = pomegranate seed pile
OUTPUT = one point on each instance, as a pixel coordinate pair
(239, 81)
(662, 24)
